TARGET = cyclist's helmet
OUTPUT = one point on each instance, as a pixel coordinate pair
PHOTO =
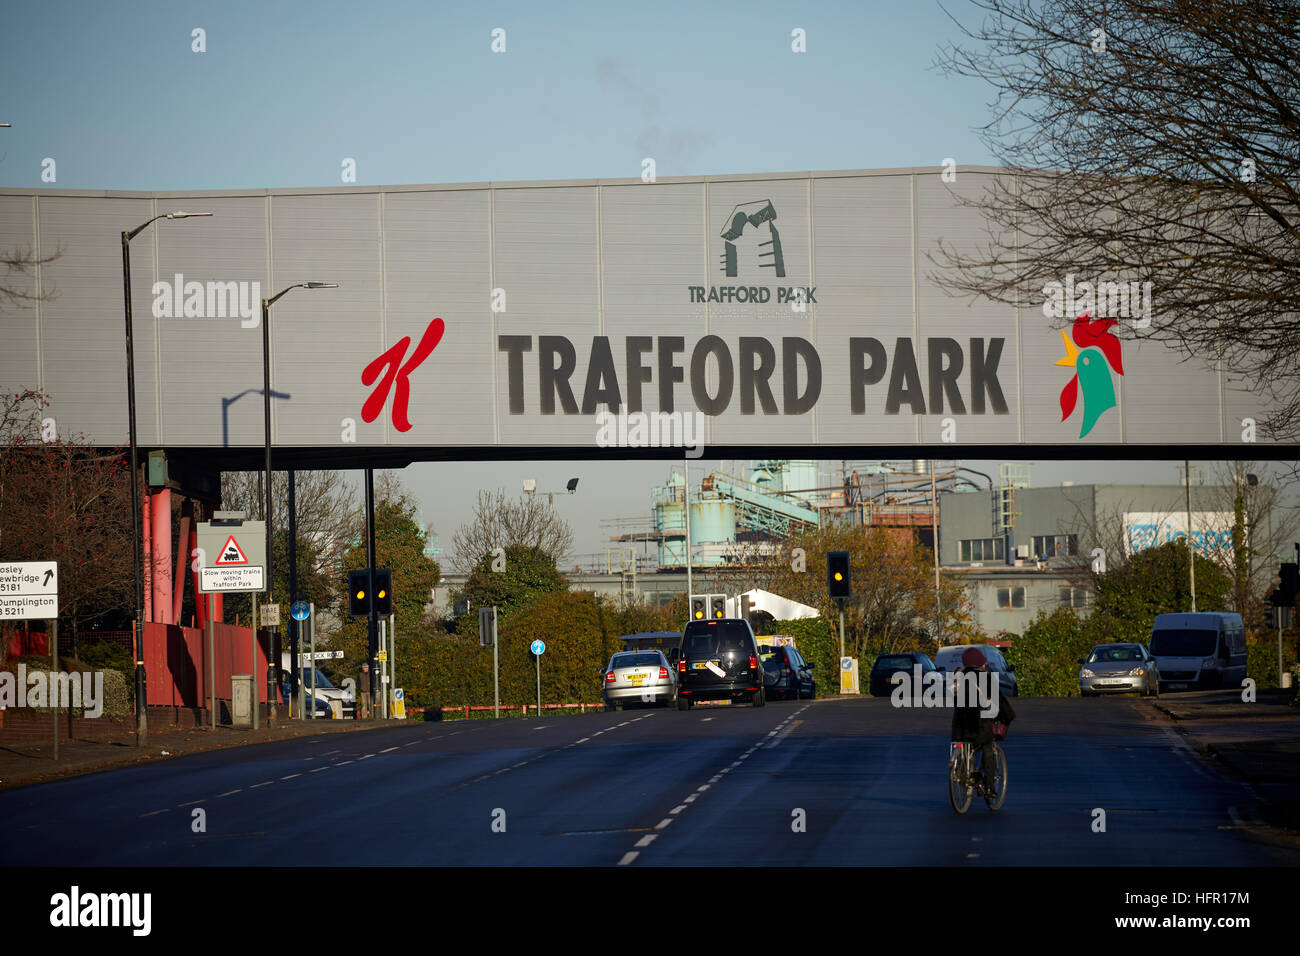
(973, 657)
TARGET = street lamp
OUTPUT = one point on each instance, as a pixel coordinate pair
(266, 416)
(530, 488)
(137, 625)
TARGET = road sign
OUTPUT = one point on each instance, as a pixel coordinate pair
(538, 647)
(321, 656)
(231, 555)
(270, 615)
(383, 656)
(399, 703)
(29, 590)
(299, 610)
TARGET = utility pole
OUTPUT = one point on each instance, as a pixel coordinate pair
(1191, 551)
(686, 509)
(934, 528)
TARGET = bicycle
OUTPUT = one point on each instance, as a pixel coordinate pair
(965, 777)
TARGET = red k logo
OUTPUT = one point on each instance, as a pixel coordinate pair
(390, 364)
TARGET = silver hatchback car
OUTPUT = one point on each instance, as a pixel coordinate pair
(1119, 669)
(639, 677)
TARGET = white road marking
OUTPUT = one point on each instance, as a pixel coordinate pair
(678, 809)
(628, 857)
(388, 751)
(318, 770)
(663, 823)
(153, 814)
(264, 783)
(582, 741)
(344, 763)
(366, 757)
(291, 776)
(780, 737)
(229, 792)
(647, 839)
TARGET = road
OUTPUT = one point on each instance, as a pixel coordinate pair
(836, 782)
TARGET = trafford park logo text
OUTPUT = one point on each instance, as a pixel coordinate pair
(211, 300)
(53, 689)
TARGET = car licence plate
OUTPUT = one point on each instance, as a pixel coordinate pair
(699, 665)
(1177, 686)
(637, 679)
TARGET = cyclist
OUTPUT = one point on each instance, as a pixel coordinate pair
(970, 726)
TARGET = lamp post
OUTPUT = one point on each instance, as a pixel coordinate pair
(266, 423)
(530, 488)
(137, 625)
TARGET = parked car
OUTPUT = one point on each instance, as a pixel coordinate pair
(786, 675)
(326, 691)
(887, 665)
(719, 661)
(1202, 651)
(1119, 669)
(639, 677)
(948, 660)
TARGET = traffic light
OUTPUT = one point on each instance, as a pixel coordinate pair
(718, 606)
(837, 575)
(383, 592)
(699, 607)
(359, 593)
(1289, 585)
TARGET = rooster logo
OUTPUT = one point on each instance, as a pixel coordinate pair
(1092, 351)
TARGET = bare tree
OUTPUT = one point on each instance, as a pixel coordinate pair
(1263, 532)
(64, 500)
(18, 284)
(1146, 141)
(499, 522)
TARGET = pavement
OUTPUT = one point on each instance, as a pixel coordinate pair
(1257, 742)
(21, 765)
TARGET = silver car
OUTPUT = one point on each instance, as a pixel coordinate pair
(1119, 669)
(639, 677)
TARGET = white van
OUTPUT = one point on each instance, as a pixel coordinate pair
(1199, 651)
(327, 694)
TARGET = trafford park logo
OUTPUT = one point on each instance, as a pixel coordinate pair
(1093, 352)
(394, 371)
(750, 234)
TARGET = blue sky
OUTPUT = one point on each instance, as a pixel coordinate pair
(413, 92)
(285, 91)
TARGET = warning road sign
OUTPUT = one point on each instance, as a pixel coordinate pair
(231, 556)
(231, 553)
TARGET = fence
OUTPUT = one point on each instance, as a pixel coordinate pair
(466, 709)
(176, 661)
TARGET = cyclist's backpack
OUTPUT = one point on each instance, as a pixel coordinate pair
(999, 730)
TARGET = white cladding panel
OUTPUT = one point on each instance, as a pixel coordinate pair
(567, 273)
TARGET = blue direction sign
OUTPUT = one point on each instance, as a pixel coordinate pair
(539, 647)
(299, 610)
